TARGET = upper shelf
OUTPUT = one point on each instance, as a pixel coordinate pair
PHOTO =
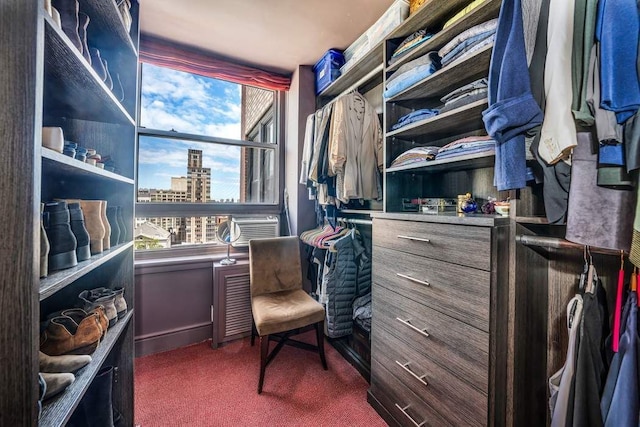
(106, 28)
(465, 162)
(443, 81)
(428, 15)
(73, 89)
(464, 119)
(356, 72)
(486, 11)
(56, 164)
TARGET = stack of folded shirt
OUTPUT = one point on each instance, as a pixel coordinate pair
(414, 116)
(415, 155)
(466, 94)
(408, 44)
(468, 42)
(463, 12)
(412, 72)
(465, 146)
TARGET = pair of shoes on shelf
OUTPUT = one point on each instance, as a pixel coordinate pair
(96, 407)
(96, 223)
(101, 67)
(73, 331)
(112, 300)
(57, 372)
(67, 237)
(74, 24)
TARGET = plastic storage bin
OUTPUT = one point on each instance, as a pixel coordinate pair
(327, 69)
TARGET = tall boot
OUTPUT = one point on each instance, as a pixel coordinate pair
(124, 237)
(106, 240)
(83, 251)
(83, 23)
(68, 10)
(96, 63)
(96, 408)
(44, 246)
(93, 222)
(62, 242)
(113, 223)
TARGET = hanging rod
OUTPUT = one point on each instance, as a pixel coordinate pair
(557, 243)
(371, 74)
(356, 220)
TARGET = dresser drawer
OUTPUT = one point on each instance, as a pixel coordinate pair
(459, 347)
(458, 244)
(458, 291)
(405, 407)
(453, 398)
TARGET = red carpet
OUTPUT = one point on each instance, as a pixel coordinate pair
(198, 386)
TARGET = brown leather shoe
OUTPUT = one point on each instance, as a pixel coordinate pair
(64, 336)
(92, 210)
(77, 314)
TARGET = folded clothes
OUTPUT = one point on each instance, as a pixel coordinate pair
(411, 73)
(467, 146)
(401, 53)
(482, 83)
(467, 98)
(465, 141)
(470, 50)
(471, 32)
(414, 116)
(449, 155)
(417, 35)
(468, 46)
(458, 16)
(415, 155)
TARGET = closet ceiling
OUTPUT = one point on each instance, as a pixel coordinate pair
(275, 35)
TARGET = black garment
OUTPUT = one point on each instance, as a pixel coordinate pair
(591, 365)
(632, 141)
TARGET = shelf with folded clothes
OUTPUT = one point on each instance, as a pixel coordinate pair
(65, 167)
(59, 279)
(460, 120)
(356, 71)
(461, 71)
(72, 88)
(477, 160)
(58, 410)
(428, 15)
(486, 11)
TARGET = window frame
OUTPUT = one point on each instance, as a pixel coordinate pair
(178, 209)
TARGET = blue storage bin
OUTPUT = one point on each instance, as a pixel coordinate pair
(327, 69)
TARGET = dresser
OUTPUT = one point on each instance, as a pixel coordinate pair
(439, 353)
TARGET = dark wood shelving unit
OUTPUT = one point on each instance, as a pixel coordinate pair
(72, 87)
(67, 167)
(56, 412)
(463, 119)
(59, 279)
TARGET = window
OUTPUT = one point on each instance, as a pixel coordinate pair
(207, 149)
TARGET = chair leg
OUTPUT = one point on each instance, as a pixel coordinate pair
(320, 339)
(254, 332)
(264, 352)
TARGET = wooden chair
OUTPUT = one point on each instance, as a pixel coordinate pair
(280, 306)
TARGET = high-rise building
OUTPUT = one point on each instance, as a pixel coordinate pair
(199, 229)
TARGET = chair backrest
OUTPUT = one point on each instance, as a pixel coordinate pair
(274, 265)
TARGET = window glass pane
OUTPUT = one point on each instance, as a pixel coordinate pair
(162, 233)
(188, 103)
(183, 171)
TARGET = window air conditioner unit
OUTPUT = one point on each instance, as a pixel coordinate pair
(253, 228)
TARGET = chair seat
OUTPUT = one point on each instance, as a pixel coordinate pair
(285, 310)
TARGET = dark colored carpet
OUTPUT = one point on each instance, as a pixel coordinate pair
(198, 386)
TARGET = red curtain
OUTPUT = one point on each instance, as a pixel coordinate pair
(163, 53)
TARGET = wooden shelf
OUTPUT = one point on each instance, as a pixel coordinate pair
(106, 28)
(478, 219)
(72, 88)
(356, 72)
(429, 14)
(61, 278)
(464, 119)
(534, 220)
(443, 81)
(359, 211)
(464, 162)
(56, 412)
(486, 11)
(56, 164)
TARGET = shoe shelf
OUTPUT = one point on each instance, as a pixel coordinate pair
(57, 411)
(465, 162)
(464, 119)
(72, 88)
(61, 166)
(443, 81)
(489, 9)
(356, 72)
(61, 278)
(107, 27)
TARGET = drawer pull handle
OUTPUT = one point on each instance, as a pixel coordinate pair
(417, 239)
(413, 279)
(420, 378)
(404, 411)
(418, 330)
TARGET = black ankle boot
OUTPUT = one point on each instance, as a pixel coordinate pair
(95, 408)
(83, 251)
(62, 242)
(112, 213)
(123, 227)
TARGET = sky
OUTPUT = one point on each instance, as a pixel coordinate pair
(190, 104)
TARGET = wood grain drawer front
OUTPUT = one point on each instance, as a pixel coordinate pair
(407, 408)
(452, 344)
(459, 244)
(452, 397)
(458, 291)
